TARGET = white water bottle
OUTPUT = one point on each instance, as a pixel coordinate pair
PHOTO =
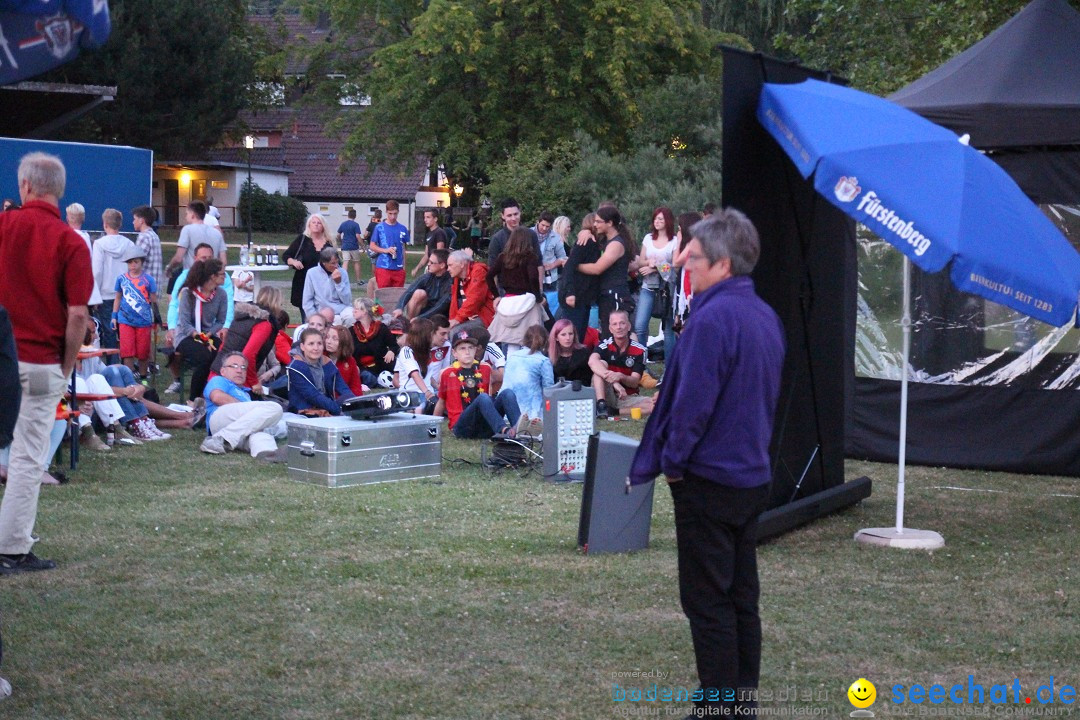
(243, 255)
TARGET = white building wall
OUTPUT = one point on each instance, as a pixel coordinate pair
(269, 181)
(336, 212)
(429, 199)
(226, 196)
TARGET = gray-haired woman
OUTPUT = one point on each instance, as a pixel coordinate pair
(326, 289)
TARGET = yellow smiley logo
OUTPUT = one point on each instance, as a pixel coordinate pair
(862, 693)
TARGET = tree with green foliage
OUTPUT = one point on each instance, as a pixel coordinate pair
(183, 70)
(469, 81)
(674, 160)
(541, 177)
(575, 178)
(270, 212)
(883, 46)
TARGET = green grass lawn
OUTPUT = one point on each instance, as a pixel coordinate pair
(192, 586)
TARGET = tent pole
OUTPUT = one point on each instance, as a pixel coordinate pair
(905, 325)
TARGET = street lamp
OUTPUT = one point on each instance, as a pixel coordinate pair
(249, 143)
(458, 189)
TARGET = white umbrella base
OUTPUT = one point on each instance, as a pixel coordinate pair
(907, 539)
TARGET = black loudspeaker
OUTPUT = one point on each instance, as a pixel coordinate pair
(613, 520)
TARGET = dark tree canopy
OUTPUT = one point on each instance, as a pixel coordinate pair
(882, 46)
(183, 70)
(468, 81)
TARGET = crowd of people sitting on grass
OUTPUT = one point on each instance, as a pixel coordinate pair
(478, 339)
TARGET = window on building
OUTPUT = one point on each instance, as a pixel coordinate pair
(270, 93)
(351, 94)
(324, 209)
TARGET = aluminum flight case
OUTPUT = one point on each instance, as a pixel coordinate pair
(341, 452)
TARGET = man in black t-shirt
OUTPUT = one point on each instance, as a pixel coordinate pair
(448, 228)
(429, 294)
(434, 240)
(511, 217)
(376, 218)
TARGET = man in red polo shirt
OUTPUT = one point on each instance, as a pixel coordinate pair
(45, 287)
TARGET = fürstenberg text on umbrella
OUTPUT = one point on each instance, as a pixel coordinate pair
(871, 205)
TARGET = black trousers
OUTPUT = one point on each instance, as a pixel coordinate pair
(199, 356)
(716, 531)
(611, 300)
(577, 315)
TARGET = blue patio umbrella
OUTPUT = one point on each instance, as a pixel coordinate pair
(941, 203)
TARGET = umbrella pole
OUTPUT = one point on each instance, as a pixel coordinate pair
(897, 536)
(905, 325)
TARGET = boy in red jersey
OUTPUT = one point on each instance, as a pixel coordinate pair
(464, 398)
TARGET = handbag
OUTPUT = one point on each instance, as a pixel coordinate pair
(662, 301)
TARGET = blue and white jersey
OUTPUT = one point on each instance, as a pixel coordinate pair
(386, 237)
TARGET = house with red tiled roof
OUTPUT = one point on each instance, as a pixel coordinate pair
(292, 153)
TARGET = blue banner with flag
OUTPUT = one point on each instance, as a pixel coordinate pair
(38, 35)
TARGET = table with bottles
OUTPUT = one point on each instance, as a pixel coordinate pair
(258, 259)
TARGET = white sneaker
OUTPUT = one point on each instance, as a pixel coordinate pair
(5, 688)
(150, 430)
(214, 445)
(174, 388)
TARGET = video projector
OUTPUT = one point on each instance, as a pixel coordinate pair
(371, 406)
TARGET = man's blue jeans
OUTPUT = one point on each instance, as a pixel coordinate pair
(483, 417)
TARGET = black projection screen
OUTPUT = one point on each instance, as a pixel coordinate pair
(807, 273)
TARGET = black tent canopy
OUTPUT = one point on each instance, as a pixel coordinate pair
(1017, 93)
(1018, 86)
(993, 390)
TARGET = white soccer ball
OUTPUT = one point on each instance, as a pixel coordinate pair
(386, 379)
